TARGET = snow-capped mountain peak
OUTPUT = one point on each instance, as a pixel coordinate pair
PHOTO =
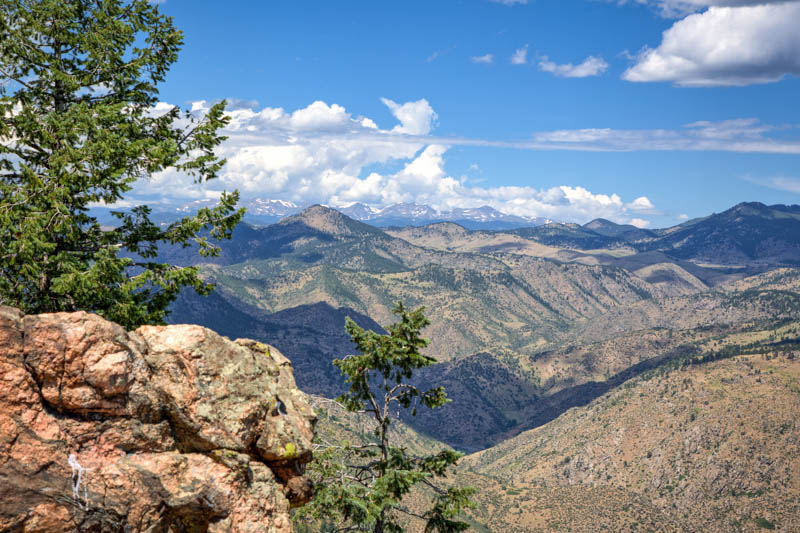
(260, 206)
(360, 211)
(263, 210)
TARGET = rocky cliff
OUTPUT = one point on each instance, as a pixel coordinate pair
(161, 429)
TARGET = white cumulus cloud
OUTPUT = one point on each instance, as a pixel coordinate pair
(416, 118)
(642, 205)
(324, 154)
(591, 66)
(725, 46)
(319, 116)
(520, 56)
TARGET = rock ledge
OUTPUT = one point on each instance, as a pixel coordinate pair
(166, 428)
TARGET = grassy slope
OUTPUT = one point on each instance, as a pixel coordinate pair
(710, 447)
(474, 304)
(500, 394)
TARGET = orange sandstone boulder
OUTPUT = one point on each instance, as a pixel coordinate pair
(166, 428)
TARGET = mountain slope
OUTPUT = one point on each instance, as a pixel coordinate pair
(521, 381)
(472, 307)
(502, 394)
(748, 232)
(626, 232)
(311, 336)
(712, 445)
(673, 275)
(570, 236)
(772, 296)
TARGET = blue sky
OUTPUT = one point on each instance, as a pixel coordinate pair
(644, 111)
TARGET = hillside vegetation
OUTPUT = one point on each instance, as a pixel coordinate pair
(711, 446)
(520, 337)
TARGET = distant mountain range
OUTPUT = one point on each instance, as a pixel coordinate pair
(417, 215)
(746, 233)
(263, 211)
(751, 234)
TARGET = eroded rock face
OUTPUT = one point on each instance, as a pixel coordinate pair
(167, 428)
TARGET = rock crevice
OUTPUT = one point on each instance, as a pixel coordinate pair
(170, 428)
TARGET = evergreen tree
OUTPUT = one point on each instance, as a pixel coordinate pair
(78, 126)
(360, 487)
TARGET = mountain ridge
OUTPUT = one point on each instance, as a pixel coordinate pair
(493, 309)
(713, 445)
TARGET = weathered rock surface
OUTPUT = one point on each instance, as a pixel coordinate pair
(171, 428)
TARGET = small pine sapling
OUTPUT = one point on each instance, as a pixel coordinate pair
(361, 487)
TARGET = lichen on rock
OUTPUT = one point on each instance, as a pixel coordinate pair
(170, 428)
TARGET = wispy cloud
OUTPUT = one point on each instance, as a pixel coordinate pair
(439, 53)
(643, 206)
(779, 183)
(520, 56)
(486, 59)
(746, 135)
(510, 2)
(433, 56)
(591, 66)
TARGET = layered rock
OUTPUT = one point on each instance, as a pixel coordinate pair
(167, 428)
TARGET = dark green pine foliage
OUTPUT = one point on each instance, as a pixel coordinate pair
(78, 126)
(361, 487)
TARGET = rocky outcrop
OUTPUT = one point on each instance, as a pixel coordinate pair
(166, 428)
